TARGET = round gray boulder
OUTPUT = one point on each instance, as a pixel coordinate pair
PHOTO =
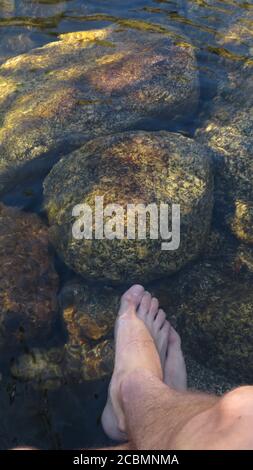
(130, 168)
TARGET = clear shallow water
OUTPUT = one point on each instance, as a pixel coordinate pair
(69, 417)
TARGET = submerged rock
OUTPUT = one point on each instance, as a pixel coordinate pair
(87, 84)
(131, 168)
(223, 28)
(28, 281)
(228, 132)
(35, 12)
(226, 122)
(89, 314)
(52, 368)
(211, 303)
(13, 44)
(217, 321)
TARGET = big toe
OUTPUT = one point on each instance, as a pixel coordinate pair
(131, 298)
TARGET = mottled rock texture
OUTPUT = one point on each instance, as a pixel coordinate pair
(87, 84)
(88, 316)
(28, 281)
(211, 303)
(131, 168)
(228, 132)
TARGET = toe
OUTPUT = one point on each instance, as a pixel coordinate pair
(163, 340)
(174, 367)
(154, 306)
(153, 310)
(144, 306)
(165, 330)
(174, 338)
(131, 298)
(159, 320)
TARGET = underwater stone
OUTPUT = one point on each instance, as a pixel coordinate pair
(217, 323)
(229, 133)
(131, 168)
(88, 312)
(15, 44)
(29, 283)
(52, 368)
(88, 315)
(210, 303)
(87, 84)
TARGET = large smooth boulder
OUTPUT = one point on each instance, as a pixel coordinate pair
(131, 168)
(28, 281)
(87, 84)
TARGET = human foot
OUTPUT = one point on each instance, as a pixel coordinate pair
(145, 334)
(135, 348)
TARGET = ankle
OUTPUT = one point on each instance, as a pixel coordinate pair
(132, 385)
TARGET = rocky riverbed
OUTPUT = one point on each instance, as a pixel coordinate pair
(136, 112)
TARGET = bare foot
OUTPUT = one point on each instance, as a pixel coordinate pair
(135, 348)
(142, 342)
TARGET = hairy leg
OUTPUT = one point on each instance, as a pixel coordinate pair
(226, 426)
(155, 413)
(158, 417)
